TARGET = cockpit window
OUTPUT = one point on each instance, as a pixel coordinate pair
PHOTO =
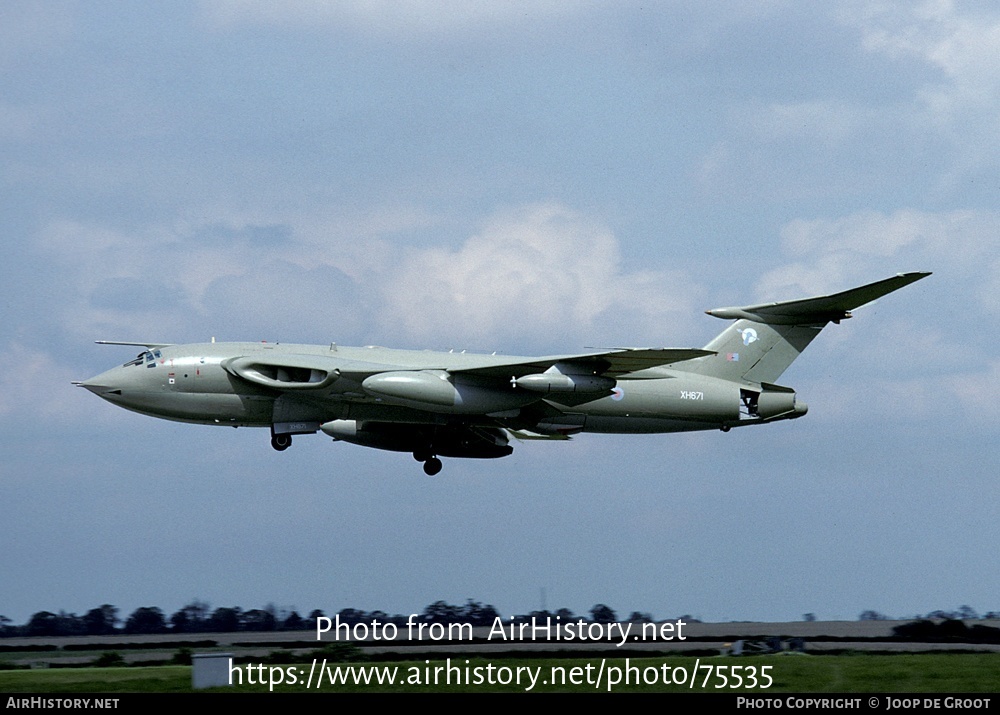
(147, 356)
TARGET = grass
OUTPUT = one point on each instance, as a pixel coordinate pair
(160, 679)
(922, 673)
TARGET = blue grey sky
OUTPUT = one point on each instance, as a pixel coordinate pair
(528, 177)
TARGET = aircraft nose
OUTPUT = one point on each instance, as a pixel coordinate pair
(106, 385)
(97, 388)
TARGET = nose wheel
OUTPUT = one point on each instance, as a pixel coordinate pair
(281, 442)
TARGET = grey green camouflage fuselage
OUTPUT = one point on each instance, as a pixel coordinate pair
(457, 404)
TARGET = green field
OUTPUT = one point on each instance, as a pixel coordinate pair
(800, 674)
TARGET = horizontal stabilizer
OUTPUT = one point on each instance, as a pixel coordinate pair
(821, 309)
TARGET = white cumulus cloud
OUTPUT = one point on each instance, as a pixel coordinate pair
(541, 271)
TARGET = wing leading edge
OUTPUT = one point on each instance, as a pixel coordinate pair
(617, 362)
(312, 372)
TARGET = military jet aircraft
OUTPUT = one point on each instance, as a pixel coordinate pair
(457, 404)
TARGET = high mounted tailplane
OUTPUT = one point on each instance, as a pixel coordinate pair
(447, 404)
(767, 337)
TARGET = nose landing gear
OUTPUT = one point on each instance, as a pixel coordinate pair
(281, 442)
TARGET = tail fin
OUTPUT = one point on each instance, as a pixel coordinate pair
(766, 338)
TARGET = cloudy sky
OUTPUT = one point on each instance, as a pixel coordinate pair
(527, 177)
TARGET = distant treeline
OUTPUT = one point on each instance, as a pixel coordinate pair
(947, 631)
(963, 613)
(198, 617)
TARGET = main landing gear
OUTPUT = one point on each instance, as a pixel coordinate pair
(432, 465)
(281, 442)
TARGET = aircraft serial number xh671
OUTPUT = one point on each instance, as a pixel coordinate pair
(448, 404)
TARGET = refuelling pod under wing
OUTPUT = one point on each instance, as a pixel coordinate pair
(444, 441)
(775, 402)
(439, 391)
(558, 383)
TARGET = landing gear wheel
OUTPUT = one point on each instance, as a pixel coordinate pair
(422, 454)
(432, 466)
(281, 442)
